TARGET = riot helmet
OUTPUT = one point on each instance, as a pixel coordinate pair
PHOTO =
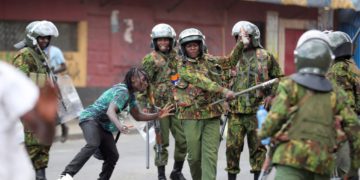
(163, 31)
(251, 29)
(191, 35)
(313, 56)
(36, 29)
(341, 44)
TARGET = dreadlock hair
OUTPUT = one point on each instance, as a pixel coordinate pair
(134, 71)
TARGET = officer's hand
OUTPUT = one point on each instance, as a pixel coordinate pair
(230, 95)
(268, 101)
(244, 37)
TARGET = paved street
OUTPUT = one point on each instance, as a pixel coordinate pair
(131, 165)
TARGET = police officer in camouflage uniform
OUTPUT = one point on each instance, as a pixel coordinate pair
(345, 74)
(197, 88)
(161, 66)
(253, 66)
(344, 70)
(309, 114)
(30, 59)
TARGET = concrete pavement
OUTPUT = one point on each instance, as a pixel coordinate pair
(131, 165)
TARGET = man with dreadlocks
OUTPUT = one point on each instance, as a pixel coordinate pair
(99, 120)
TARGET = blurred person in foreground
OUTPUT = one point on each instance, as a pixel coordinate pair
(21, 99)
(31, 60)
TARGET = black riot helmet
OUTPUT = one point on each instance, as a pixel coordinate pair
(313, 56)
(341, 44)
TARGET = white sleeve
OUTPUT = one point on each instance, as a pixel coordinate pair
(18, 94)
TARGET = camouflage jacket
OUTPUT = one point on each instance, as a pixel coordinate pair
(308, 154)
(347, 75)
(31, 63)
(198, 87)
(163, 75)
(246, 69)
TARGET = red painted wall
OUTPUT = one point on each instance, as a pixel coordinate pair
(109, 55)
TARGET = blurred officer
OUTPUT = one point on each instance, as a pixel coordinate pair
(307, 115)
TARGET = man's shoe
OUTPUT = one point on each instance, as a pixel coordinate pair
(66, 177)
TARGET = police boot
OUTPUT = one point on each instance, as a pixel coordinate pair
(161, 173)
(231, 176)
(40, 174)
(256, 175)
(176, 172)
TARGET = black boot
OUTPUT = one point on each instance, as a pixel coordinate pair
(40, 174)
(256, 175)
(161, 173)
(231, 176)
(176, 172)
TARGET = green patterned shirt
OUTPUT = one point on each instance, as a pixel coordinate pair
(119, 95)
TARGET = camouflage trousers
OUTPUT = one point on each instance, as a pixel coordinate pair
(239, 126)
(172, 124)
(290, 173)
(38, 153)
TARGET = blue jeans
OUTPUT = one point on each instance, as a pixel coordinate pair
(95, 137)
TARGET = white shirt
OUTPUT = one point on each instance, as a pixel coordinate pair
(18, 95)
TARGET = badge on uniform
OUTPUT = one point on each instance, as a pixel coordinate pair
(175, 78)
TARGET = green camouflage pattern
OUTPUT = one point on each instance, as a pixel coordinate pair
(197, 88)
(346, 74)
(290, 173)
(160, 67)
(30, 62)
(241, 125)
(253, 67)
(39, 154)
(308, 154)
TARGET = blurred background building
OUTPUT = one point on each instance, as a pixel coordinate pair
(101, 39)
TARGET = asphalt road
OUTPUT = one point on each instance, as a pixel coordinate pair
(131, 165)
